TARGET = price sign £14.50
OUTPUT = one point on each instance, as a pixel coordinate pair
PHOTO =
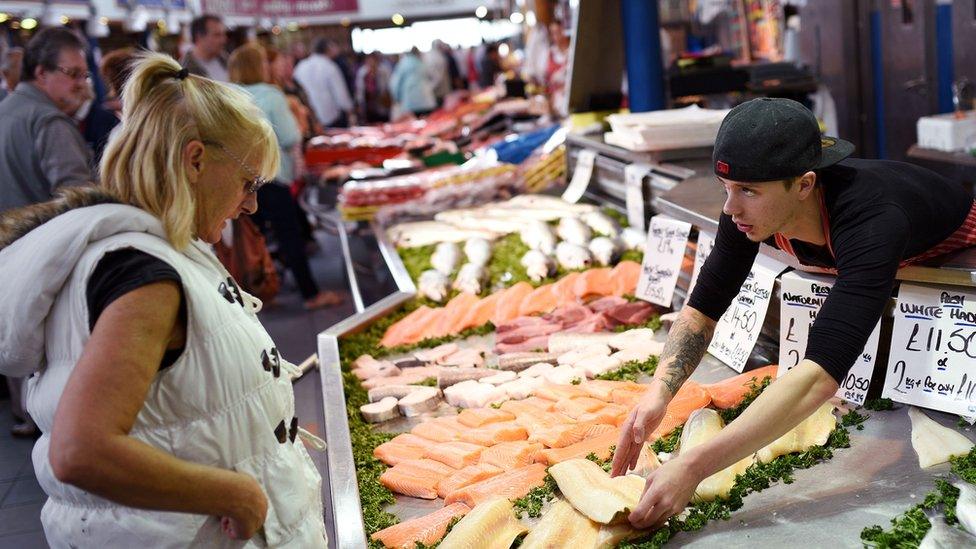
(801, 296)
(932, 361)
(738, 329)
(665, 250)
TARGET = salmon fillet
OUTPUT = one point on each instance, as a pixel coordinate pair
(690, 397)
(467, 476)
(441, 429)
(481, 312)
(576, 407)
(559, 392)
(541, 300)
(401, 448)
(599, 445)
(538, 423)
(563, 289)
(512, 484)
(594, 283)
(450, 317)
(507, 306)
(407, 327)
(560, 436)
(509, 455)
(416, 477)
(428, 529)
(478, 417)
(494, 433)
(456, 454)
(603, 389)
(624, 277)
(728, 393)
(611, 414)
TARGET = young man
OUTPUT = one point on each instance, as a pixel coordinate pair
(325, 84)
(792, 189)
(206, 58)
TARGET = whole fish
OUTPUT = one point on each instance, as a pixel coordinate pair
(633, 239)
(470, 278)
(572, 256)
(943, 536)
(478, 251)
(604, 250)
(446, 258)
(432, 284)
(538, 235)
(602, 223)
(574, 231)
(538, 265)
(966, 505)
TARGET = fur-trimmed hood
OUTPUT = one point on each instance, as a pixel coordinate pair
(39, 248)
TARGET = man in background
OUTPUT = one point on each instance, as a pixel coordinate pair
(10, 63)
(206, 58)
(322, 78)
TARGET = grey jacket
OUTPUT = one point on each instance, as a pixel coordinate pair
(41, 149)
(193, 65)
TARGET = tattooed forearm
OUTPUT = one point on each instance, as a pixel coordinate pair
(684, 349)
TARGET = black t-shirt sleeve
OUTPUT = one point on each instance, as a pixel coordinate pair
(723, 273)
(122, 271)
(868, 255)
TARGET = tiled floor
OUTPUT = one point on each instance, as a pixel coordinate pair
(293, 330)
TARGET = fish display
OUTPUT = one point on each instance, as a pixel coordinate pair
(427, 530)
(445, 258)
(934, 443)
(490, 525)
(562, 526)
(703, 425)
(593, 493)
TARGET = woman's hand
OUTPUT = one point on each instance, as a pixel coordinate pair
(640, 423)
(667, 492)
(250, 510)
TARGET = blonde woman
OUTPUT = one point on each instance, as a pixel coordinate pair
(167, 413)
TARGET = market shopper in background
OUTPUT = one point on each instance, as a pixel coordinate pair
(373, 90)
(556, 68)
(206, 58)
(249, 67)
(115, 67)
(283, 76)
(438, 71)
(490, 66)
(325, 84)
(410, 87)
(166, 409)
(794, 190)
(10, 64)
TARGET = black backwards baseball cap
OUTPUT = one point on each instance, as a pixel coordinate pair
(770, 139)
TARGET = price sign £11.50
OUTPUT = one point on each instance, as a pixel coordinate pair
(932, 361)
(738, 329)
(663, 254)
(801, 296)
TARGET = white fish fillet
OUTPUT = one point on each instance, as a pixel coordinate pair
(436, 354)
(703, 425)
(560, 343)
(934, 443)
(612, 535)
(631, 338)
(593, 493)
(537, 370)
(565, 375)
(377, 412)
(576, 355)
(490, 525)
(425, 233)
(966, 505)
(499, 378)
(597, 365)
(562, 526)
(422, 400)
(395, 391)
(473, 395)
(521, 388)
(812, 431)
(647, 462)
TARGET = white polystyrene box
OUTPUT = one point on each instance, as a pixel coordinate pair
(945, 132)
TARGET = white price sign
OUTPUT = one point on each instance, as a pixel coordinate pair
(932, 360)
(634, 186)
(738, 329)
(581, 176)
(663, 253)
(801, 296)
(706, 241)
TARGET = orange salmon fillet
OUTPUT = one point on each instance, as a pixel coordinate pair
(625, 276)
(511, 484)
(401, 448)
(428, 529)
(690, 397)
(594, 283)
(560, 436)
(441, 429)
(509, 455)
(478, 417)
(603, 389)
(494, 433)
(599, 445)
(455, 454)
(541, 300)
(507, 306)
(576, 407)
(563, 289)
(407, 327)
(481, 312)
(728, 393)
(416, 477)
(559, 392)
(467, 476)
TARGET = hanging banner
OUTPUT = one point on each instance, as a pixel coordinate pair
(801, 297)
(279, 8)
(932, 359)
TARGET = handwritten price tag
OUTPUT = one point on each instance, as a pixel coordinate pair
(801, 296)
(738, 329)
(665, 250)
(706, 241)
(634, 186)
(581, 176)
(932, 361)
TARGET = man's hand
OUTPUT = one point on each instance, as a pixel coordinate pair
(666, 493)
(640, 423)
(249, 512)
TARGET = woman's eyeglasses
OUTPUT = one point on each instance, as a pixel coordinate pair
(256, 181)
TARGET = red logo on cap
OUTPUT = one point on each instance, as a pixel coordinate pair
(722, 167)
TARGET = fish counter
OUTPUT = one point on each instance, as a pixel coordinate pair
(479, 403)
